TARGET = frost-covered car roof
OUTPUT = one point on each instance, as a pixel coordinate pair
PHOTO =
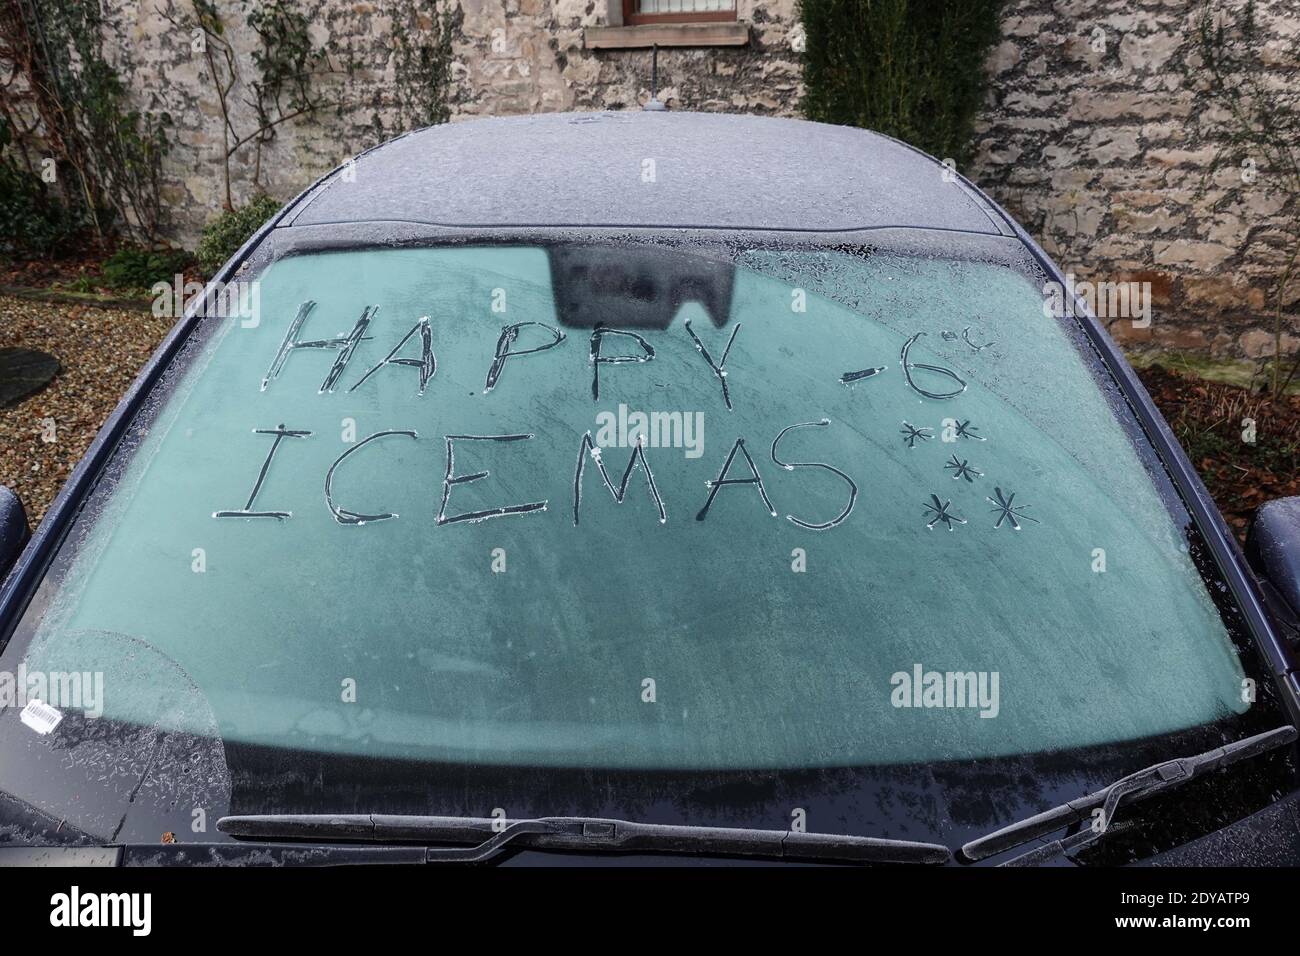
(648, 169)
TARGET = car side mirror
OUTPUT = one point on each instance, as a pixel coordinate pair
(14, 531)
(1273, 550)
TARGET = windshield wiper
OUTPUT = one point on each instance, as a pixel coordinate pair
(1136, 786)
(578, 833)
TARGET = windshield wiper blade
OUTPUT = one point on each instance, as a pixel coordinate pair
(1136, 786)
(578, 833)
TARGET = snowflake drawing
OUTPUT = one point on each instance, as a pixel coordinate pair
(941, 513)
(967, 430)
(962, 469)
(1007, 511)
(913, 435)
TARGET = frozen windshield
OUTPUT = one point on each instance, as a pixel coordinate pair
(588, 507)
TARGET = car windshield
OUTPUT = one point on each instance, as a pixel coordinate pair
(590, 505)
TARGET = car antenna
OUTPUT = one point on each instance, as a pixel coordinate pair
(653, 104)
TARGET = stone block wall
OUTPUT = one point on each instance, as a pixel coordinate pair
(1093, 140)
(510, 57)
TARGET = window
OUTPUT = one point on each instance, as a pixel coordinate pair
(637, 12)
(682, 23)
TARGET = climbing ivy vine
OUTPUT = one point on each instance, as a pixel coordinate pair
(1256, 128)
(63, 100)
(913, 69)
(422, 63)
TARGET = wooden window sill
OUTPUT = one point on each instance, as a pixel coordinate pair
(666, 34)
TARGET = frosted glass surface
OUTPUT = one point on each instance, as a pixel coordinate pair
(753, 663)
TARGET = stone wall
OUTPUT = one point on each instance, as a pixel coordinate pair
(510, 56)
(1098, 148)
(545, 66)
(1092, 139)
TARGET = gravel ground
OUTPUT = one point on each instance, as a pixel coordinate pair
(101, 351)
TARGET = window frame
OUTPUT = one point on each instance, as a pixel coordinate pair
(633, 18)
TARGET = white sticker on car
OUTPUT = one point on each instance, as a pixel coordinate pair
(41, 717)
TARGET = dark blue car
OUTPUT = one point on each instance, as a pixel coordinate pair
(691, 487)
